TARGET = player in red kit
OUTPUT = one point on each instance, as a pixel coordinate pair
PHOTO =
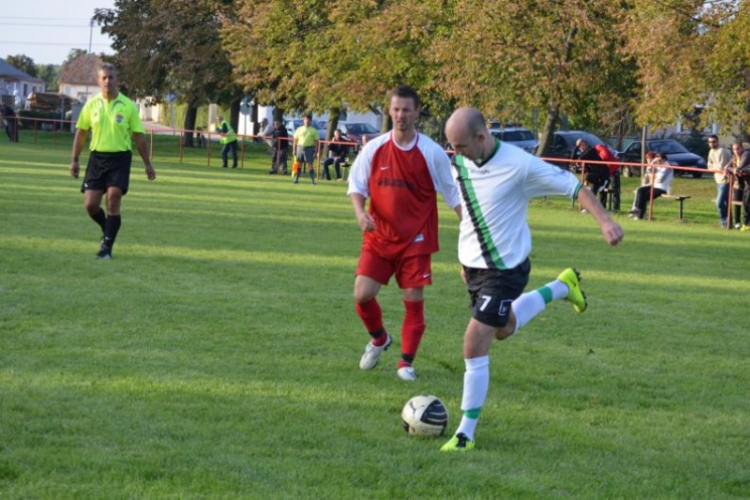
(401, 173)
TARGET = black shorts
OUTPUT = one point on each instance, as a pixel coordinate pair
(492, 291)
(108, 169)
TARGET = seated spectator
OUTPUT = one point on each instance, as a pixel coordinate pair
(337, 151)
(658, 174)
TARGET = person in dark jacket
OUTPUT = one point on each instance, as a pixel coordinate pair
(597, 174)
(740, 171)
(279, 148)
(338, 151)
(11, 123)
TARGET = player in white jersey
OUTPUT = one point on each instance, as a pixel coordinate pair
(496, 181)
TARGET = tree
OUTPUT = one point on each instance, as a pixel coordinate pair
(49, 74)
(75, 54)
(666, 41)
(509, 58)
(23, 63)
(166, 46)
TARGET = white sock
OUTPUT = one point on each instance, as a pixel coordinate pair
(476, 384)
(559, 289)
(529, 305)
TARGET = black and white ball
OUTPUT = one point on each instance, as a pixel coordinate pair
(425, 415)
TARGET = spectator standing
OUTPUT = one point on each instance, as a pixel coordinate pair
(597, 174)
(337, 151)
(496, 181)
(741, 176)
(401, 173)
(263, 130)
(267, 132)
(280, 147)
(661, 176)
(305, 139)
(228, 142)
(112, 119)
(614, 176)
(718, 159)
(11, 123)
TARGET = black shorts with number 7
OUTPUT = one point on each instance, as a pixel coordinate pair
(492, 291)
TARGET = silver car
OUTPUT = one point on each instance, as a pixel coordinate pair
(521, 137)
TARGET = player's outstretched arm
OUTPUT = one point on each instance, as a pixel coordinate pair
(611, 231)
(140, 142)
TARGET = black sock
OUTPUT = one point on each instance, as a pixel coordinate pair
(100, 218)
(111, 229)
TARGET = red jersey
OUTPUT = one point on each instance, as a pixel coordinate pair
(402, 185)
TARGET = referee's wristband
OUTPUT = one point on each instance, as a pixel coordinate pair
(75, 159)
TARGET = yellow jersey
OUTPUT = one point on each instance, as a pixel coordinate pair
(306, 136)
(112, 123)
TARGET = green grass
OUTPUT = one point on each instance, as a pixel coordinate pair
(216, 355)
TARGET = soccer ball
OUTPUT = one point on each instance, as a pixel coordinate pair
(424, 415)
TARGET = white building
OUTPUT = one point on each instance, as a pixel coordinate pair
(78, 78)
(16, 86)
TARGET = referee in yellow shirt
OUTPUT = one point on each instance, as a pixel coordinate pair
(112, 119)
(305, 139)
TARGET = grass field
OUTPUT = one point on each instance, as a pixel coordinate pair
(216, 355)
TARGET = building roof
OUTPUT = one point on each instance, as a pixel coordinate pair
(8, 72)
(80, 71)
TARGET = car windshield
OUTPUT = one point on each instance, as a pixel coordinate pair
(668, 147)
(361, 128)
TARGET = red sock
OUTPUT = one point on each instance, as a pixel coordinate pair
(372, 317)
(411, 332)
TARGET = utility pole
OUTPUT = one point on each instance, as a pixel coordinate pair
(88, 56)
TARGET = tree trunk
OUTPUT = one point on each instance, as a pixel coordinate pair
(333, 123)
(545, 138)
(191, 114)
(234, 113)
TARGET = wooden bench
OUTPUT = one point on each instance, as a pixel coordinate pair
(678, 198)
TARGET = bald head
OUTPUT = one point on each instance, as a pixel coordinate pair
(467, 132)
(468, 119)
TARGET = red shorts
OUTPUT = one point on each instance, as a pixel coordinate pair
(410, 272)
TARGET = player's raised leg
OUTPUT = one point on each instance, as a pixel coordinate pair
(479, 335)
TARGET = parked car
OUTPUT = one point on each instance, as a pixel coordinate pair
(295, 123)
(355, 131)
(564, 145)
(517, 136)
(677, 155)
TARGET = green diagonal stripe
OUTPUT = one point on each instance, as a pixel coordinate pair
(475, 212)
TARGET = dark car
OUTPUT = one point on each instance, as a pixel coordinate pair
(564, 145)
(355, 131)
(677, 155)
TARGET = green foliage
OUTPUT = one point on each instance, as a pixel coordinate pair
(216, 355)
(22, 62)
(49, 73)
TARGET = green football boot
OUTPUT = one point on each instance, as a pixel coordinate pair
(572, 278)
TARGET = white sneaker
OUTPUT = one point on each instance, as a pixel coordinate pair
(372, 354)
(407, 373)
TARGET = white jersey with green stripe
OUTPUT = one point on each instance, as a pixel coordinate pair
(495, 200)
